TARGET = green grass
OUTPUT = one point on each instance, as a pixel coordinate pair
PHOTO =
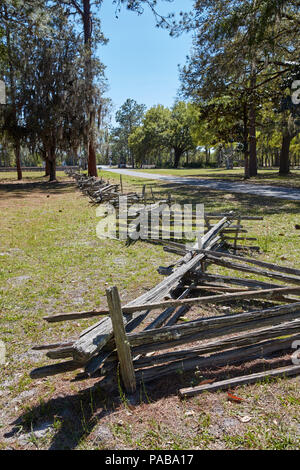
(11, 176)
(51, 261)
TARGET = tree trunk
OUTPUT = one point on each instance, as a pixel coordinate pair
(52, 170)
(92, 164)
(252, 139)
(177, 155)
(74, 155)
(252, 126)
(284, 168)
(18, 161)
(52, 163)
(12, 92)
(220, 156)
(246, 146)
(47, 167)
(87, 29)
(207, 156)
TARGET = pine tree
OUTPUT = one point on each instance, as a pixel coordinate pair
(239, 48)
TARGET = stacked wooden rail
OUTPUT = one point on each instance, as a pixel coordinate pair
(85, 350)
(229, 236)
(215, 341)
(100, 191)
(178, 231)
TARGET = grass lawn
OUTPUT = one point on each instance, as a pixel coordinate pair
(52, 261)
(11, 176)
(266, 176)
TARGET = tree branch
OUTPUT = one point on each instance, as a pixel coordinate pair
(75, 5)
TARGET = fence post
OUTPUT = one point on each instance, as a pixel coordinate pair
(121, 184)
(122, 344)
(144, 194)
(237, 233)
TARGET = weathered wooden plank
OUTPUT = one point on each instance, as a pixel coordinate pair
(249, 269)
(131, 325)
(211, 334)
(97, 361)
(205, 328)
(96, 313)
(283, 372)
(59, 317)
(205, 278)
(231, 357)
(180, 312)
(272, 266)
(123, 348)
(237, 234)
(252, 337)
(159, 321)
(171, 249)
(261, 293)
(216, 288)
(205, 240)
(178, 339)
(232, 215)
(94, 340)
(100, 361)
(245, 247)
(240, 238)
(233, 230)
(46, 347)
(236, 227)
(60, 353)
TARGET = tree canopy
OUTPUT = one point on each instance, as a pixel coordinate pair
(239, 88)
(243, 57)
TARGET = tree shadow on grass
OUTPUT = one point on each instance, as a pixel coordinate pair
(22, 190)
(221, 201)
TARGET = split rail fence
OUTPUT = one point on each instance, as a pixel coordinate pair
(118, 341)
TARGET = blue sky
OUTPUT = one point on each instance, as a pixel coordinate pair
(142, 60)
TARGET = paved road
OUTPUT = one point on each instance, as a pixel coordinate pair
(228, 186)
